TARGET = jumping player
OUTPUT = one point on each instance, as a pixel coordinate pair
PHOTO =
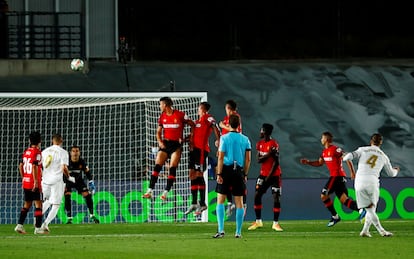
(332, 157)
(231, 109)
(77, 168)
(170, 140)
(202, 131)
(270, 176)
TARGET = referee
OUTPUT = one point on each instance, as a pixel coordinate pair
(233, 164)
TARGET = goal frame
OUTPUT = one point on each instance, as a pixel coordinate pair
(66, 95)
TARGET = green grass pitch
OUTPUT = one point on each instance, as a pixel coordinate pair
(300, 239)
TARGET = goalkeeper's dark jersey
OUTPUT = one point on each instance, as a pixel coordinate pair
(78, 169)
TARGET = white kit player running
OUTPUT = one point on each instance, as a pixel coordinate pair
(371, 161)
(55, 162)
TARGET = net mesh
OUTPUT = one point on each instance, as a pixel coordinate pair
(116, 135)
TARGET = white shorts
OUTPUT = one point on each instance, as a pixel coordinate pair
(53, 192)
(367, 193)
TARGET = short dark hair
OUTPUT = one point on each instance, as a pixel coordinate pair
(35, 138)
(57, 137)
(206, 105)
(232, 104)
(74, 146)
(328, 135)
(268, 128)
(376, 139)
(234, 121)
(167, 100)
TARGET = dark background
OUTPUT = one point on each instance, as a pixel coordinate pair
(222, 30)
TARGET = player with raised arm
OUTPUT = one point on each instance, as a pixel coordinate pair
(371, 161)
(231, 108)
(78, 168)
(204, 126)
(170, 140)
(30, 168)
(270, 176)
(332, 157)
(55, 162)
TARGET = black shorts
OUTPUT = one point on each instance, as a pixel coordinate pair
(171, 146)
(29, 195)
(79, 185)
(233, 182)
(335, 184)
(262, 185)
(197, 160)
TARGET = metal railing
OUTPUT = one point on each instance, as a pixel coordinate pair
(45, 35)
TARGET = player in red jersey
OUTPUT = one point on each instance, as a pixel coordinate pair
(204, 126)
(170, 140)
(231, 108)
(332, 157)
(30, 169)
(270, 176)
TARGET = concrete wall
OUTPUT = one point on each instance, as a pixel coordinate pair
(39, 67)
(301, 99)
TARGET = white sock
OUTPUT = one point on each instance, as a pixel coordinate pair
(45, 206)
(374, 219)
(367, 223)
(52, 214)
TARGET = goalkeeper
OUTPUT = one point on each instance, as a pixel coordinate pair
(78, 168)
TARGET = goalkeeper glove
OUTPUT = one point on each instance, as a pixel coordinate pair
(71, 179)
(92, 187)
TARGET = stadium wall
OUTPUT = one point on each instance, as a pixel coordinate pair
(352, 99)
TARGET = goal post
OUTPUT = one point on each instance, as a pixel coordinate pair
(116, 134)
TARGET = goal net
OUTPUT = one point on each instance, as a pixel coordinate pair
(116, 134)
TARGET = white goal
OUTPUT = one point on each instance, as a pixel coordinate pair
(116, 134)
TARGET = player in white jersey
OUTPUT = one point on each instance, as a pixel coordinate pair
(55, 162)
(371, 161)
